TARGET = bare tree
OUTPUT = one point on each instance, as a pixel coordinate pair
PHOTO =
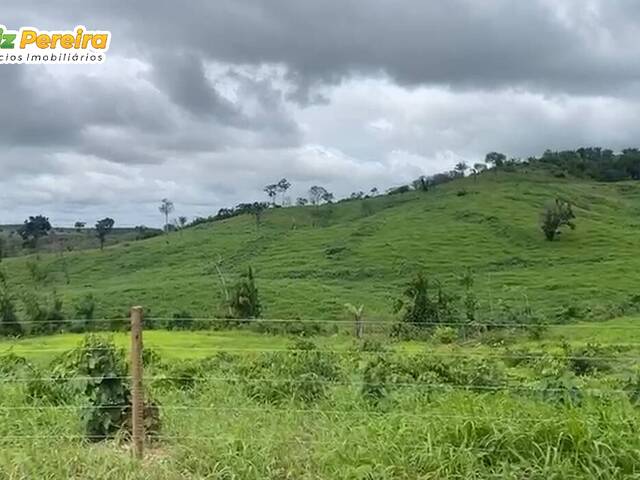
(283, 185)
(166, 207)
(316, 194)
(327, 197)
(272, 192)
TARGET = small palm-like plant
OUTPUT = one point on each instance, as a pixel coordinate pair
(557, 215)
(357, 313)
(244, 301)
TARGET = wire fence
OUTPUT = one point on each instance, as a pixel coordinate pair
(335, 383)
(508, 355)
(347, 323)
(446, 352)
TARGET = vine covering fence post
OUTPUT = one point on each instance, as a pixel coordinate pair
(137, 393)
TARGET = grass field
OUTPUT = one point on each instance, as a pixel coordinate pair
(555, 403)
(474, 409)
(367, 250)
(623, 332)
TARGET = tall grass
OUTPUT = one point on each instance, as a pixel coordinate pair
(217, 428)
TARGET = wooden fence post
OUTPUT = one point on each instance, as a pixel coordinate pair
(137, 393)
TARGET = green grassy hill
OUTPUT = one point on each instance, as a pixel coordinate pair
(364, 251)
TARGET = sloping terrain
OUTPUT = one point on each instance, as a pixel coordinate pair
(310, 261)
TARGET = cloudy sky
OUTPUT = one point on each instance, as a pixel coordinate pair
(206, 101)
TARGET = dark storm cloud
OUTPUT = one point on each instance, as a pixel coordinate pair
(31, 115)
(571, 46)
(182, 76)
(206, 101)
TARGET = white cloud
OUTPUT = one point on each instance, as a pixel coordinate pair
(254, 97)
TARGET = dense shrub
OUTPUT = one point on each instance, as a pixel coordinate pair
(384, 373)
(445, 335)
(547, 365)
(301, 374)
(517, 357)
(104, 366)
(379, 376)
(560, 389)
(469, 373)
(588, 359)
(49, 386)
(425, 303)
(13, 365)
(102, 372)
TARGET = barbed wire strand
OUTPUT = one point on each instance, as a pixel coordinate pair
(516, 415)
(346, 351)
(226, 438)
(238, 379)
(350, 323)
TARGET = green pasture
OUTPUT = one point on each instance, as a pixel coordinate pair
(364, 251)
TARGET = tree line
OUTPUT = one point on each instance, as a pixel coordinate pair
(36, 227)
(591, 162)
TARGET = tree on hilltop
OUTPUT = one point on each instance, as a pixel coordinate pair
(166, 207)
(33, 229)
(317, 194)
(496, 159)
(272, 192)
(104, 228)
(461, 168)
(282, 186)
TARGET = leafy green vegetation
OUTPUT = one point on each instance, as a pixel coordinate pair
(498, 362)
(310, 272)
(268, 407)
